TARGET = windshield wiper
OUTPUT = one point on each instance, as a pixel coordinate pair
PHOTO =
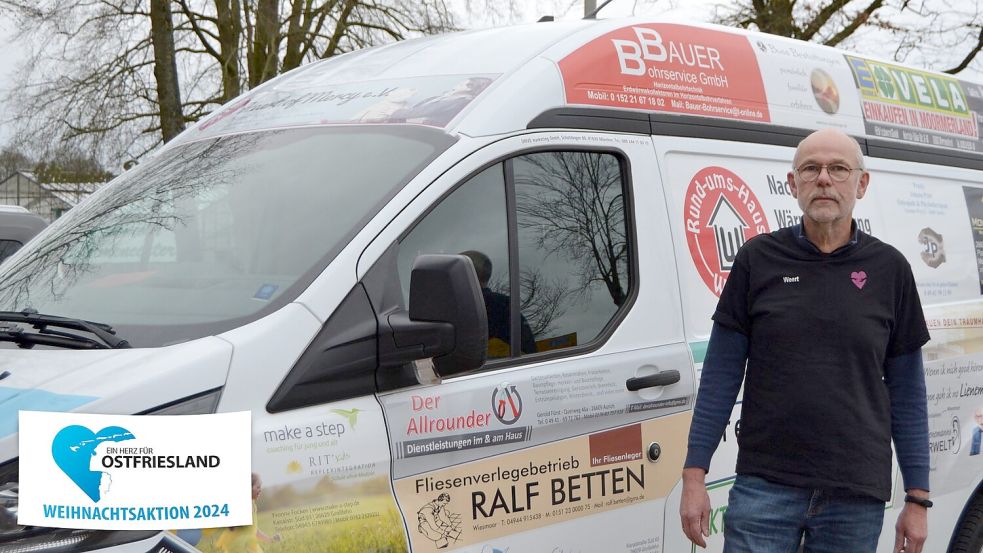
(45, 336)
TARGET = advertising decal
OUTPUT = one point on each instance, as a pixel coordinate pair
(668, 68)
(918, 106)
(954, 386)
(540, 486)
(807, 86)
(478, 418)
(954, 357)
(431, 429)
(974, 203)
(928, 225)
(320, 482)
(431, 101)
(721, 214)
(118, 472)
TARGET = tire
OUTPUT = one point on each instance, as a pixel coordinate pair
(969, 535)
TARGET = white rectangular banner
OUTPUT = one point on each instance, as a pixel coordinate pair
(131, 472)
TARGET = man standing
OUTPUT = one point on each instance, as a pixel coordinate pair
(828, 323)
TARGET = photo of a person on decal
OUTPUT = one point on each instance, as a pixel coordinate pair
(977, 442)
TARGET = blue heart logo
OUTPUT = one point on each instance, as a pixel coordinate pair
(73, 448)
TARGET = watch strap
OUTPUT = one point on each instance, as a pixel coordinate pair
(908, 498)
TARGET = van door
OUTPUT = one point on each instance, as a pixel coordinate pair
(574, 431)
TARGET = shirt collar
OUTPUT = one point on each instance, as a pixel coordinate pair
(806, 244)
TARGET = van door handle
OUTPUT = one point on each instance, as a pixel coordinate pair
(663, 378)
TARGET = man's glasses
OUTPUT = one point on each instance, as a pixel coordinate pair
(837, 172)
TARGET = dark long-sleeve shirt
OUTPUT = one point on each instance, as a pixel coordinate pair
(723, 372)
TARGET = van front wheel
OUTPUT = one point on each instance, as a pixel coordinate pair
(969, 537)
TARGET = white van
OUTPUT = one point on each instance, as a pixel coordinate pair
(599, 176)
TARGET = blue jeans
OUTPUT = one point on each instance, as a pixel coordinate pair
(764, 517)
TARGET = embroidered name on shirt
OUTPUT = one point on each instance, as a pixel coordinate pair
(790, 279)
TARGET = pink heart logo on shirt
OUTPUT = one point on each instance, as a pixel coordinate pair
(859, 278)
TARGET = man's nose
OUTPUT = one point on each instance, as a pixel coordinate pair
(823, 179)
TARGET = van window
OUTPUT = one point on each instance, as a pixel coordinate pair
(573, 244)
(8, 247)
(570, 255)
(471, 221)
(212, 234)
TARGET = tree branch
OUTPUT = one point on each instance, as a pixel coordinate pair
(860, 19)
(969, 57)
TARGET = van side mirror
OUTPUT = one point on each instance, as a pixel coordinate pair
(446, 318)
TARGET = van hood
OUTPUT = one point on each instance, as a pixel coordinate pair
(124, 381)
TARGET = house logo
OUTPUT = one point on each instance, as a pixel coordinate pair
(729, 230)
(721, 213)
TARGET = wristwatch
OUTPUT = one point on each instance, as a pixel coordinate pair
(918, 501)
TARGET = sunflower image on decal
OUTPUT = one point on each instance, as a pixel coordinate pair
(825, 91)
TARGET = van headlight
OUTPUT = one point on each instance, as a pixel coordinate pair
(35, 539)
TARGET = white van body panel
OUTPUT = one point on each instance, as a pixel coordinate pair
(520, 99)
(107, 381)
(902, 199)
(256, 369)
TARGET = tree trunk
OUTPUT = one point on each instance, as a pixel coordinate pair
(229, 23)
(295, 34)
(775, 17)
(165, 69)
(263, 62)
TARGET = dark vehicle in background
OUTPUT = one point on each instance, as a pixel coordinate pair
(17, 226)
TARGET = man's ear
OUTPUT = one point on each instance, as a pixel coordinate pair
(862, 185)
(791, 184)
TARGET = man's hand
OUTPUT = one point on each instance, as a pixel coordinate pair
(912, 527)
(694, 510)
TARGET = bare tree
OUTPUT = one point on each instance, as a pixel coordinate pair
(90, 79)
(541, 301)
(13, 160)
(949, 31)
(68, 164)
(165, 69)
(573, 203)
(118, 77)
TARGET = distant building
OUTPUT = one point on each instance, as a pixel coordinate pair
(47, 199)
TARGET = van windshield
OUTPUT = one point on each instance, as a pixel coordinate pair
(213, 234)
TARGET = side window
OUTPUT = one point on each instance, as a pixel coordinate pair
(568, 256)
(573, 245)
(471, 221)
(8, 247)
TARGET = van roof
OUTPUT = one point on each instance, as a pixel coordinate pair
(496, 81)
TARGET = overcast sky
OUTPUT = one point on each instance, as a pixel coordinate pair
(10, 54)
